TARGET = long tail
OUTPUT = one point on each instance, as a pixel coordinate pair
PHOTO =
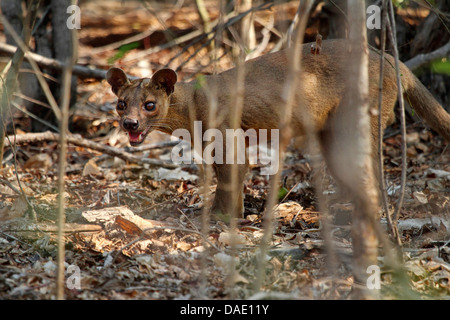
(426, 106)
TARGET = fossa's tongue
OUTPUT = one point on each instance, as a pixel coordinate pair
(135, 136)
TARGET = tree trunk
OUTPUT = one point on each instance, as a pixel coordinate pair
(9, 84)
(337, 22)
(58, 44)
(12, 10)
(63, 42)
(349, 150)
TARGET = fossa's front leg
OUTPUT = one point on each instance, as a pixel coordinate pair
(229, 198)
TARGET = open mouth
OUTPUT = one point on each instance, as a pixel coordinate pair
(137, 137)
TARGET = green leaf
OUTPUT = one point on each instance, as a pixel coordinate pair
(200, 81)
(282, 192)
(441, 66)
(122, 51)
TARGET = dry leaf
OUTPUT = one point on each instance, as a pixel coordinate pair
(128, 226)
(175, 174)
(287, 210)
(91, 168)
(238, 278)
(39, 161)
(420, 197)
(223, 260)
(438, 173)
(228, 239)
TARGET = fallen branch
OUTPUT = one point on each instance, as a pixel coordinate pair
(68, 228)
(153, 146)
(425, 58)
(81, 71)
(79, 141)
(23, 225)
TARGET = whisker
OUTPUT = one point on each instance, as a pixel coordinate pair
(161, 124)
(164, 120)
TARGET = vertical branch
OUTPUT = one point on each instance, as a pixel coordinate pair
(290, 90)
(366, 202)
(204, 190)
(207, 169)
(63, 128)
(236, 109)
(348, 149)
(207, 181)
(380, 113)
(204, 16)
(392, 259)
(391, 226)
(247, 28)
(393, 38)
(287, 37)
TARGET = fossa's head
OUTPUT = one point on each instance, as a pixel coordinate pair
(143, 103)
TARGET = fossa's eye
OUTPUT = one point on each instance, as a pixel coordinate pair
(150, 106)
(121, 105)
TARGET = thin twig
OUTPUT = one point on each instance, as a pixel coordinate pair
(438, 14)
(285, 117)
(118, 44)
(204, 15)
(11, 186)
(236, 110)
(380, 128)
(35, 117)
(63, 145)
(63, 127)
(187, 218)
(393, 38)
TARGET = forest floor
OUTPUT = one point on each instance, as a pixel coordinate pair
(110, 201)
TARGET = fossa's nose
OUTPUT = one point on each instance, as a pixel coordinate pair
(130, 124)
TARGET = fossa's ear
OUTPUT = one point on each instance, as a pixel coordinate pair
(165, 78)
(116, 78)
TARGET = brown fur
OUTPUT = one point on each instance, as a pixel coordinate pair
(322, 84)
